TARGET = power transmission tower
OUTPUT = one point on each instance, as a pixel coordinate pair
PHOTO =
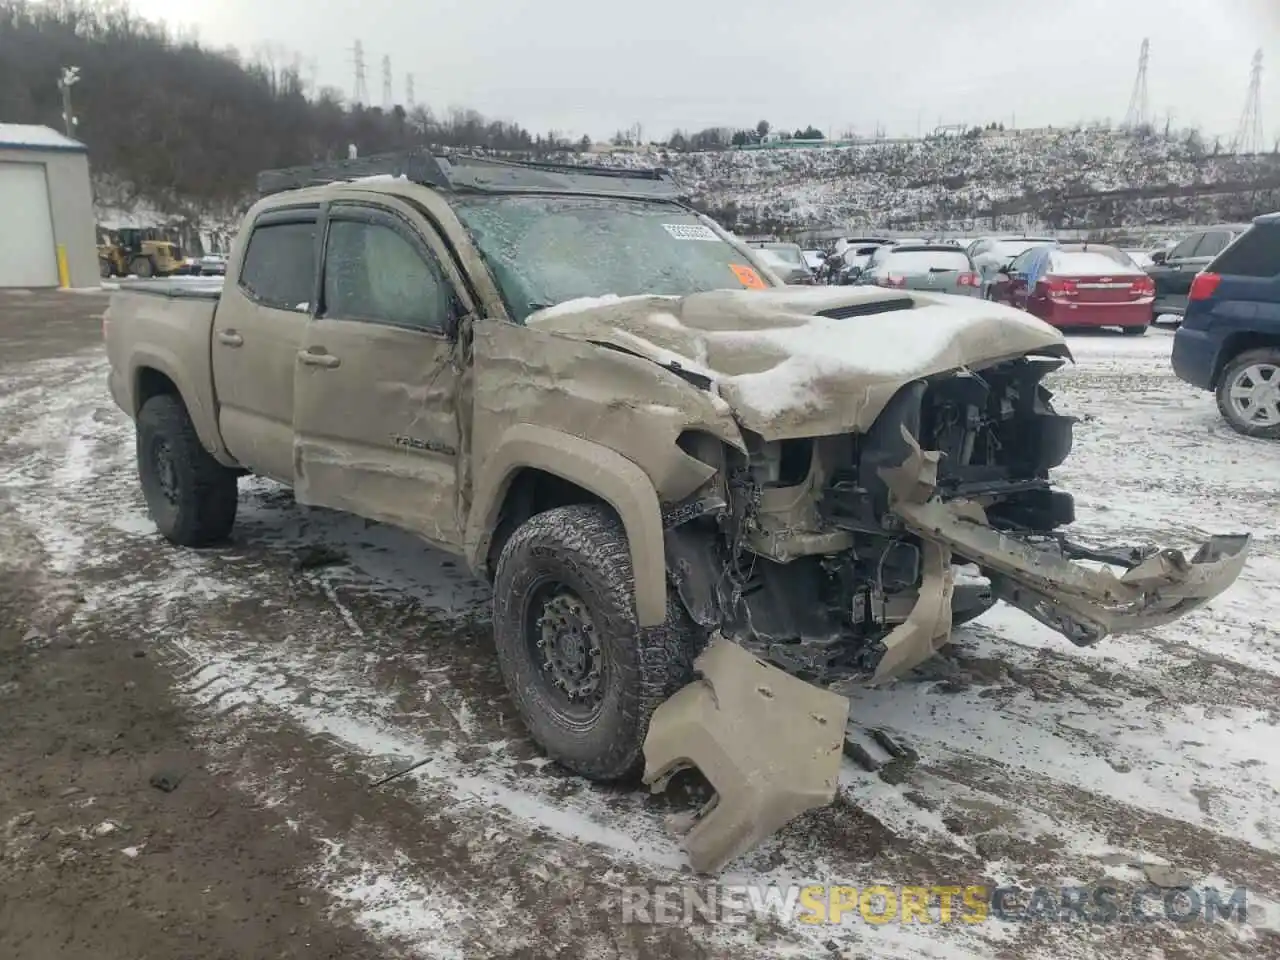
(1248, 138)
(409, 100)
(387, 96)
(360, 92)
(1139, 112)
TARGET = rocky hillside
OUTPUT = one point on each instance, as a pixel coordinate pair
(178, 131)
(1055, 178)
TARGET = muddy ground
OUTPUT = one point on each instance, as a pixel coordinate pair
(190, 741)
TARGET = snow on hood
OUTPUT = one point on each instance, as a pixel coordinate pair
(790, 373)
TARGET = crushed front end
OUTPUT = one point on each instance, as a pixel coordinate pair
(833, 559)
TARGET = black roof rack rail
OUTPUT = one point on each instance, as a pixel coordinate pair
(466, 173)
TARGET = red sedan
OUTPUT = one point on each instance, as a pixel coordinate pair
(1079, 285)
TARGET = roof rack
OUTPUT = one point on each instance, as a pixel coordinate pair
(465, 173)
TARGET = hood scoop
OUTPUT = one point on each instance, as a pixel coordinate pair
(867, 309)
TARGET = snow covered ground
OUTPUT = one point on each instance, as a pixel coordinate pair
(318, 653)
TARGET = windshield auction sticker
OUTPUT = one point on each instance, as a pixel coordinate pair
(691, 231)
(747, 276)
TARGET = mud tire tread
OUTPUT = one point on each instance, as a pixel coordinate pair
(207, 491)
(586, 543)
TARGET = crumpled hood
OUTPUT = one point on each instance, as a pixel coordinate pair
(788, 372)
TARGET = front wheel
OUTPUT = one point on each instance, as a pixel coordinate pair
(190, 496)
(1249, 393)
(584, 678)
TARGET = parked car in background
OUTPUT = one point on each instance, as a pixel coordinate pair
(786, 260)
(212, 265)
(1173, 271)
(1078, 285)
(940, 268)
(989, 254)
(815, 259)
(849, 265)
(1229, 341)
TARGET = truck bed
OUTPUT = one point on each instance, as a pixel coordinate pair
(162, 330)
(198, 288)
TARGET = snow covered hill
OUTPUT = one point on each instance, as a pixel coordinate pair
(1057, 178)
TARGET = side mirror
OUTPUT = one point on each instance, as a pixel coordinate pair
(1159, 257)
(1006, 269)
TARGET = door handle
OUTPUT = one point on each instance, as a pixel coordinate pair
(229, 338)
(314, 358)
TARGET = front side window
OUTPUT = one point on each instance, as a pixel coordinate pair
(1186, 248)
(280, 265)
(374, 272)
(1213, 244)
(544, 250)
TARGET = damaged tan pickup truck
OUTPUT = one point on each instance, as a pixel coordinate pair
(702, 497)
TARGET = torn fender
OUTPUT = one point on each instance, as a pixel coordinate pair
(769, 744)
(1082, 603)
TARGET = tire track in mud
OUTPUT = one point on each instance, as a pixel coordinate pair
(314, 682)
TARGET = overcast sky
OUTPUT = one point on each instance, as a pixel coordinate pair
(589, 66)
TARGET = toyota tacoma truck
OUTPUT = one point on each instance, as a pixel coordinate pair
(703, 498)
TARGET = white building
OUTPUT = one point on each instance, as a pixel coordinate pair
(47, 236)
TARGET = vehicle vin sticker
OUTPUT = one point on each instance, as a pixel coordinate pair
(690, 231)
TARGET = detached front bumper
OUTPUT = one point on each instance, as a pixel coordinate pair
(1082, 603)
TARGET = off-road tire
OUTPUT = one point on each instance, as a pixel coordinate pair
(1269, 355)
(142, 267)
(585, 548)
(1134, 331)
(203, 507)
(104, 268)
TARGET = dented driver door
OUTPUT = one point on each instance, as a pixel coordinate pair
(376, 380)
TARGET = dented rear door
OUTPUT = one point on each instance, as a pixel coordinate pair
(376, 418)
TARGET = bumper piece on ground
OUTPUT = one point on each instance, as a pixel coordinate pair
(1082, 603)
(769, 744)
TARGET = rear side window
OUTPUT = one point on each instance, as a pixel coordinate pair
(280, 265)
(1255, 254)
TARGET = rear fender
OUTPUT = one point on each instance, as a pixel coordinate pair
(200, 404)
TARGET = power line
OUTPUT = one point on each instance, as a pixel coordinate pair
(388, 97)
(1139, 112)
(1248, 138)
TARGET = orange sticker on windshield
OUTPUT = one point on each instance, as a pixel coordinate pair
(747, 276)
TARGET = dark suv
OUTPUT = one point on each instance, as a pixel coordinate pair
(1229, 340)
(1173, 271)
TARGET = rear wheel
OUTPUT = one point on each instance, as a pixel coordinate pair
(142, 267)
(190, 496)
(584, 678)
(1249, 393)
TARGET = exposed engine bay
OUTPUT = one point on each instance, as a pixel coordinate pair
(799, 550)
(832, 559)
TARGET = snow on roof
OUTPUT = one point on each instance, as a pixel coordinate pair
(24, 136)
